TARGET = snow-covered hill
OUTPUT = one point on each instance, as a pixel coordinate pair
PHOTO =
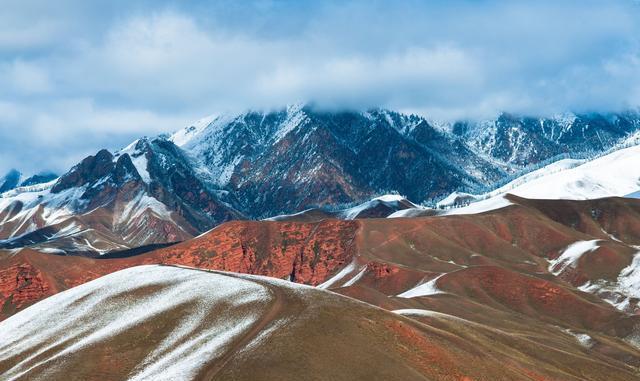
(615, 174)
(171, 323)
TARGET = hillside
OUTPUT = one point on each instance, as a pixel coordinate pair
(614, 174)
(561, 273)
(193, 324)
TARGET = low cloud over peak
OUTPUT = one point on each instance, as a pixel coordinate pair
(77, 77)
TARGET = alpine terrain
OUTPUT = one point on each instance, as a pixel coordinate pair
(257, 165)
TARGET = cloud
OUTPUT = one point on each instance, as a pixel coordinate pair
(55, 135)
(90, 76)
(24, 78)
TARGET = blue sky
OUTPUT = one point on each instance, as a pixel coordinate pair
(76, 76)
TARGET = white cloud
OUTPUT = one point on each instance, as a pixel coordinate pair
(56, 135)
(25, 78)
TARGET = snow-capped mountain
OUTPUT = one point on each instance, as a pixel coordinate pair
(260, 164)
(145, 194)
(296, 158)
(522, 141)
(15, 179)
(289, 160)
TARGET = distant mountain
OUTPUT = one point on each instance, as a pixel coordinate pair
(145, 194)
(39, 178)
(616, 174)
(10, 180)
(522, 141)
(261, 164)
(296, 158)
(15, 179)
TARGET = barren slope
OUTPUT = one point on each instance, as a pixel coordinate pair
(561, 274)
(158, 322)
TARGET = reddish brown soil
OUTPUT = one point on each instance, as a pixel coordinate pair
(397, 253)
(303, 252)
(495, 265)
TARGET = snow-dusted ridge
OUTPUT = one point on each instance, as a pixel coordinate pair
(615, 174)
(210, 306)
(183, 136)
(388, 202)
(138, 158)
(29, 188)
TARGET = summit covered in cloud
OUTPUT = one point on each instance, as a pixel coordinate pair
(76, 77)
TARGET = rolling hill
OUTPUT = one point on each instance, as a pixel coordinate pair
(194, 324)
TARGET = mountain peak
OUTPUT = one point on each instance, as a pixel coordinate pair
(10, 180)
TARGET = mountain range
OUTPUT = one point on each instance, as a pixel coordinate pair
(261, 164)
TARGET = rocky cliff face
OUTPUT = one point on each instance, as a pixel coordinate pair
(301, 252)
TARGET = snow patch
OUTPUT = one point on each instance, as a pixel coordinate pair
(416, 312)
(295, 117)
(494, 203)
(350, 268)
(629, 278)
(390, 198)
(424, 289)
(356, 278)
(570, 256)
(620, 292)
(51, 250)
(185, 135)
(582, 338)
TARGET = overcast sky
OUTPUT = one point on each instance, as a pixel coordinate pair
(76, 76)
